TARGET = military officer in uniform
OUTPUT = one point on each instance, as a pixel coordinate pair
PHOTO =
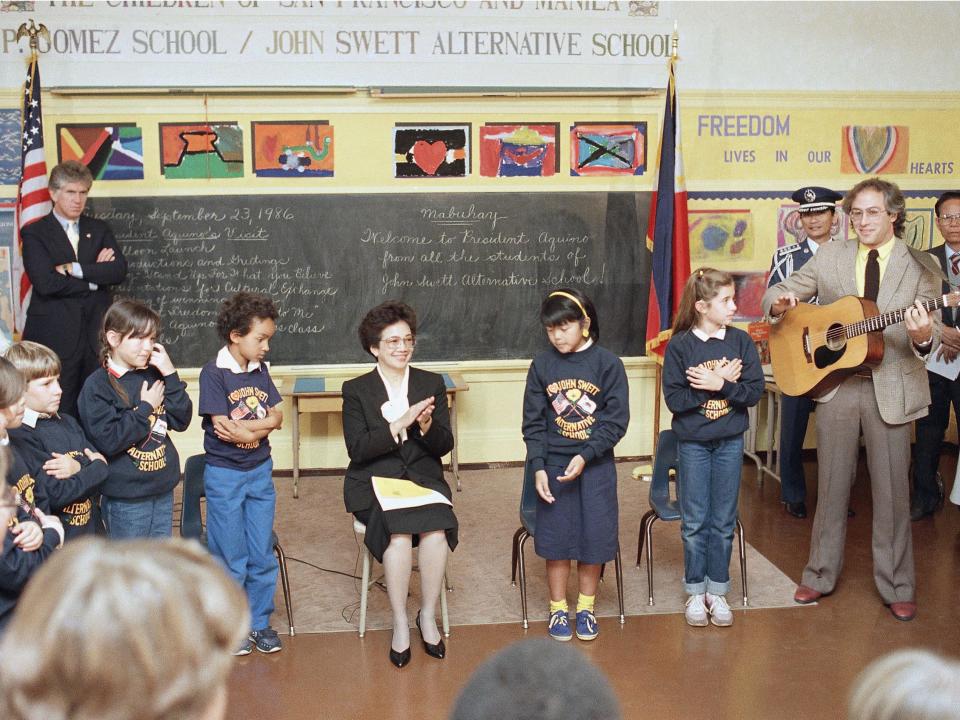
(817, 209)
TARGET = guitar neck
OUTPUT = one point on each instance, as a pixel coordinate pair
(879, 322)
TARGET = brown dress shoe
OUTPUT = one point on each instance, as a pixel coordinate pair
(903, 610)
(805, 595)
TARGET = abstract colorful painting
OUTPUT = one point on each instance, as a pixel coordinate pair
(789, 229)
(608, 149)
(750, 288)
(201, 150)
(293, 149)
(918, 229)
(9, 146)
(515, 149)
(874, 149)
(431, 150)
(112, 152)
(720, 235)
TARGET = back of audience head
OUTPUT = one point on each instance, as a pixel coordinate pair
(537, 680)
(907, 685)
(139, 630)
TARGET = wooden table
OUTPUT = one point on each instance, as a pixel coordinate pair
(310, 395)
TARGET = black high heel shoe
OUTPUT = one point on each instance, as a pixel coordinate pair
(400, 658)
(437, 651)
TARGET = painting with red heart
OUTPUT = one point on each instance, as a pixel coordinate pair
(441, 150)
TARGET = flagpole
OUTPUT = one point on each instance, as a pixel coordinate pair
(658, 381)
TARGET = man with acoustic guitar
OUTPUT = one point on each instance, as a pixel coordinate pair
(928, 490)
(881, 400)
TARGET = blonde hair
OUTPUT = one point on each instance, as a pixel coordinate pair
(703, 284)
(33, 360)
(907, 685)
(12, 384)
(132, 630)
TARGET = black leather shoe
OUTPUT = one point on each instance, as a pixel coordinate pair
(919, 512)
(797, 509)
(400, 658)
(437, 651)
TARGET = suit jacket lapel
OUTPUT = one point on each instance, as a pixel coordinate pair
(948, 314)
(58, 236)
(848, 268)
(897, 265)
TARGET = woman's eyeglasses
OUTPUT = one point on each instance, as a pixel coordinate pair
(395, 343)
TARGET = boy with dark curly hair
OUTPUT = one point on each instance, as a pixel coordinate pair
(239, 405)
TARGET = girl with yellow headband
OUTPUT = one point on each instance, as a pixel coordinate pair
(575, 410)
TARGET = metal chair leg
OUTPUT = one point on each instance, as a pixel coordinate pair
(285, 583)
(521, 565)
(516, 548)
(619, 568)
(649, 536)
(364, 586)
(743, 561)
(643, 524)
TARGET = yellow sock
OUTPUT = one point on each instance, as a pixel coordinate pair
(585, 602)
(558, 605)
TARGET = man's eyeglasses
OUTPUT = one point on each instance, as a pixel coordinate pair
(394, 343)
(949, 219)
(871, 213)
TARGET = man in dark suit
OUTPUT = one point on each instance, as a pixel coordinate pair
(928, 491)
(72, 260)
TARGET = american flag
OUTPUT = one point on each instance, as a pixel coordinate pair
(33, 199)
(667, 235)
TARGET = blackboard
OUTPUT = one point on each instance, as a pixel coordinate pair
(474, 266)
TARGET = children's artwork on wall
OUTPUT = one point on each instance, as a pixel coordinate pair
(874, 149)
(789, 229)
(514, 149)
(608, 149)
(292, 149)
(201, 150)
(918, 229)
(112, 151)
(720, 235)
(750, 288)
(440, 150)
(9, 146)
(6, 299)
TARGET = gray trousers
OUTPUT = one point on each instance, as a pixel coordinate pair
(839, 423)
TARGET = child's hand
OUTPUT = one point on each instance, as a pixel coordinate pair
(94, 455)
(48, 522)
(730, 369)
(152, 394)
(231, 431)
(574, 468)
(28, 535)
(542, 484)
(700, 378)
(61, 466)
(161, 361)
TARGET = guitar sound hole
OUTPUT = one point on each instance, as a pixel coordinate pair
(835, 337)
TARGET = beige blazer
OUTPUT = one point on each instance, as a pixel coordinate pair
(900, 381)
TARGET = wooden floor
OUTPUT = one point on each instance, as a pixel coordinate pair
(786, 663)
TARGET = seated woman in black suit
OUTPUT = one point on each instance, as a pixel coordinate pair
(396, 425)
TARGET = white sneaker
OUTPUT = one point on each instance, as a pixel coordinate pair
(696, 612)
(720, 613)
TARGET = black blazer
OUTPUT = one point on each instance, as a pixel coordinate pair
(63, 310)
(950, 316)
(371, 447)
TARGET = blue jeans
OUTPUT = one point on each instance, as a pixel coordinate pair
(240, 509)
(709, 489)
(149, 517)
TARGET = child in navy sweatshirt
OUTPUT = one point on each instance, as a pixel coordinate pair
(128, 408)
(53, 446)
(711, 375)
(575, 410)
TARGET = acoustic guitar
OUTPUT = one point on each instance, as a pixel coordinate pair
(815, 347)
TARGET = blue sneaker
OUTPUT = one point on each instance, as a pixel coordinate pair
(559, 626)
(587, 625)
(266, 640)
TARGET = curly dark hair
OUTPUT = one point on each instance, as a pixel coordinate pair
(384, 315)
(893, 199)
(240, 310)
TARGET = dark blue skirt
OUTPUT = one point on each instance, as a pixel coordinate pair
(582, 523)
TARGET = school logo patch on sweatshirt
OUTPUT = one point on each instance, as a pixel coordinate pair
(573, 402)
(714, 408)
(248, 403)
(151, 455)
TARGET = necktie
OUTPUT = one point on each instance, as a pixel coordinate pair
(955, 263)
(73, 235)
(871, 279)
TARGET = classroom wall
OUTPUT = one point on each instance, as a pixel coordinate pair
(763, 113)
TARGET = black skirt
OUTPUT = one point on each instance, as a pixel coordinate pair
(407, 521)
